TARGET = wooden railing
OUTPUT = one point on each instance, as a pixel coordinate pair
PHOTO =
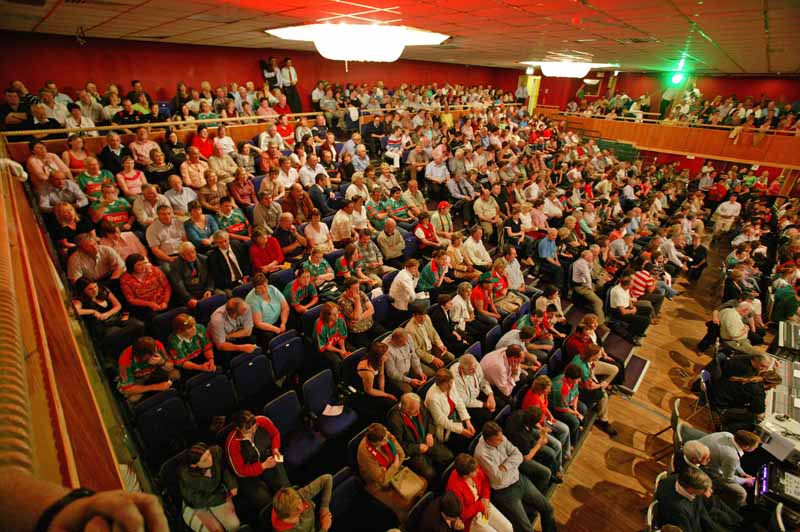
(50, 423)
(777, 148)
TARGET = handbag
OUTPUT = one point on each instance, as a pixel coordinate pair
(408, 484)
(509, 303)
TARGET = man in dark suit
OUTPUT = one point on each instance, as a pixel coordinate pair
(40, 121)
(189, 277)
(412, 425)
(680, 503)
(455, 342)
(373, 134)
(112, 153)
(229, 266)
(321, 195)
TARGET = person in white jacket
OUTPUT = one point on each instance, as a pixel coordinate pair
(474, 390)
(450, 416)
(403, 290)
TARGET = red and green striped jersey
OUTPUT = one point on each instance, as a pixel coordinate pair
(235, 223)
(329, 335)
(182, 350)
(132, 372)
(118, 213)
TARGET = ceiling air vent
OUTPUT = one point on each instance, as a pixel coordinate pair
(106, 3)
(637, 40)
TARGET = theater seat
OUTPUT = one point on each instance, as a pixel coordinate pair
(318, 392)
(210, 396)
(206, 307)
(287, 352)
(253, 378)
(299, 443)
(164, 427)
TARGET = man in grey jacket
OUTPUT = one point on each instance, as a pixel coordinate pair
(724, 466)
(512, 492)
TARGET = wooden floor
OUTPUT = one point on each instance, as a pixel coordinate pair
(610, 482)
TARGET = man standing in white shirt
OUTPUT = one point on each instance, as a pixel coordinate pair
(725, 215)
(289, 82)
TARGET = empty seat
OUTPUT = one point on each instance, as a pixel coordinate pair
(492, 337)
(164, 427)
(318, 392)
(206, 307)
(210, 396)
(287, 352)
(242, 290)
(282, 278)
(475, 350)
(252, 376)
(309, 320)
(299, 443)
(381, 306)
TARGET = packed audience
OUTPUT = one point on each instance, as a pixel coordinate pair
(477, 227)
(689, 106)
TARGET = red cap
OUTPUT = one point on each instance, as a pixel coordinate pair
(443, 205)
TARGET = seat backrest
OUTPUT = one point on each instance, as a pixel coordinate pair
(284, 411)
(501, 416)
(349, 368)
(281, 338)
(333, 256)
(381, 306)
(661, 476)
(509, 321)
(153, 401)
(352, 449)
(206, 307)
(242, 290)
(257, 182)
(412, 246)
(168, 480)
(318, 390)
(475, 350)
(309, 320)
(676, 414)
(556, 364)
(524, 308)
(416, 512)
(252, 375)
(346, 492)
(492, 337)
(282, 278)
(652, 516)
(163, 426)
(287, 357)
(215, 397)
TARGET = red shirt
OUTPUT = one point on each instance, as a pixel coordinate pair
(470, 504)
(260, 257)
(206, 147)
(534, 399)
(478, 294)
(287, 132)
(576, 344)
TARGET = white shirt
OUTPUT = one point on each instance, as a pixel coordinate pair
(476, 252)
(552, 208)
(403, 289)
(729, 209)
(620, 298)
(288, 76)
(84, 123)
(342, 226)
(460, 311)
(308, 175)
(287, 179)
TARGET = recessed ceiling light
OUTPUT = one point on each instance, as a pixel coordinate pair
(700, 2)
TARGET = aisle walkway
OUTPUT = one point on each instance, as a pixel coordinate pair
(610, 483)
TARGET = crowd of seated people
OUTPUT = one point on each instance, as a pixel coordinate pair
(412, 259)
(690, 106)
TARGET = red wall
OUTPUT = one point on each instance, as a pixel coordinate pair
(559, 91)
(782, 89)
(160, 66)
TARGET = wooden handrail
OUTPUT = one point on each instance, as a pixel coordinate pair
(692, 125)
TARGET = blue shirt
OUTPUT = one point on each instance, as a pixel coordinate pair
(270, 311)
(547, 248)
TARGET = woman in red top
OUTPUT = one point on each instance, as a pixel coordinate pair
(203, 142)
(538, 395)
(426, 233)
(75, 155)
(254, 453)
(266, 255)
(482, 301)
(145, 287)
(468, 482)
